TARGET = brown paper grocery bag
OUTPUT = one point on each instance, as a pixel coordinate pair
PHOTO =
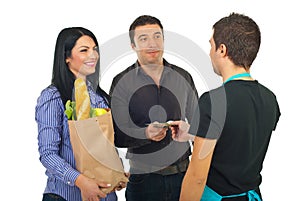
(96, 157)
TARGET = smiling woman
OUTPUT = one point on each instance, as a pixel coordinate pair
(84, 57)
(76, 56)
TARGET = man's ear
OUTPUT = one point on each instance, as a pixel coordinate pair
(133, 46)
(67, 60)
(223, 50)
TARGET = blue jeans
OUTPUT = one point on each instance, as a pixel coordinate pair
(53, 197)
(110, 197)
(154, 187)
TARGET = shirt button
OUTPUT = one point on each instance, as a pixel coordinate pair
(68, 182)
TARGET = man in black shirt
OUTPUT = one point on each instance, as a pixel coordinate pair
(144, 97)
(235, 121)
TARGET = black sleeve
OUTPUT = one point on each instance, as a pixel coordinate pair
(209, 118)
(278, 114)
(192, 99)
(192, 94)
(127, 134)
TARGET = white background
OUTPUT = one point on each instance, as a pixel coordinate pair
(28, 33)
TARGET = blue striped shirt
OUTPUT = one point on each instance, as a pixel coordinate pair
(54, 144)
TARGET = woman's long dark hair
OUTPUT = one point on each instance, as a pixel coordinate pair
(62, 78)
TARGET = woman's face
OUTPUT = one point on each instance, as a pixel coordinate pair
(84, 57)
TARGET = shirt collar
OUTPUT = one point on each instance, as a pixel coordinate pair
(167, 67)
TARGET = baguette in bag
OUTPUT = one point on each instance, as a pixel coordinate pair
(92, 141)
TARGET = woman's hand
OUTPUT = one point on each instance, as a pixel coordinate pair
(122, 184)
(91, 189)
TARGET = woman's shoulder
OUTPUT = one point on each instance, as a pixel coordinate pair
(49, 93)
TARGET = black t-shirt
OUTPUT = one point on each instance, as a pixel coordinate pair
(241, 115)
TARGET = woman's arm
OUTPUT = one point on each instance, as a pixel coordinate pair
(49, 118)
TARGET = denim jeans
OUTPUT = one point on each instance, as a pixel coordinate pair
(110, 197)
(53, 197)
(154, 187)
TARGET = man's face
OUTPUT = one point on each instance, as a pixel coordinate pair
(149, 44)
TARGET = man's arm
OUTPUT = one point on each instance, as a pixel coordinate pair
(127, 134)
(192, 100)
(195, 178)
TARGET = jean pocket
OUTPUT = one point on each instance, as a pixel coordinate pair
(137, 178)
